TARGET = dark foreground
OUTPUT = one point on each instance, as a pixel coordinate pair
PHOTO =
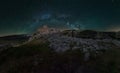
(34, 58)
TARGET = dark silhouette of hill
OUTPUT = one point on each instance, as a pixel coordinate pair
(14, 37)
(91, 34)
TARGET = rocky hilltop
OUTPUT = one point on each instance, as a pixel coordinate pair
(51, 50)
(87, 41)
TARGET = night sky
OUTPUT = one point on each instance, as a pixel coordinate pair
(25, 16)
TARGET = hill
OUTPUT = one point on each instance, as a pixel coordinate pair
(69, 51)
(13, 39)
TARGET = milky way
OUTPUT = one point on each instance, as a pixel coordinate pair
(25, 16)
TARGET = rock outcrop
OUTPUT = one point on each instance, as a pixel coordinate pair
(62, 43)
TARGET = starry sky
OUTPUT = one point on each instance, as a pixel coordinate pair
(25, 16)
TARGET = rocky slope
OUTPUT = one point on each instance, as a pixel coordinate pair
(66, 40)
(62, 52)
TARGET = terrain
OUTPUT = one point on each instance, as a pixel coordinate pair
(63, 52)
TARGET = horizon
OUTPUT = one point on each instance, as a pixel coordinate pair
(14, 34)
